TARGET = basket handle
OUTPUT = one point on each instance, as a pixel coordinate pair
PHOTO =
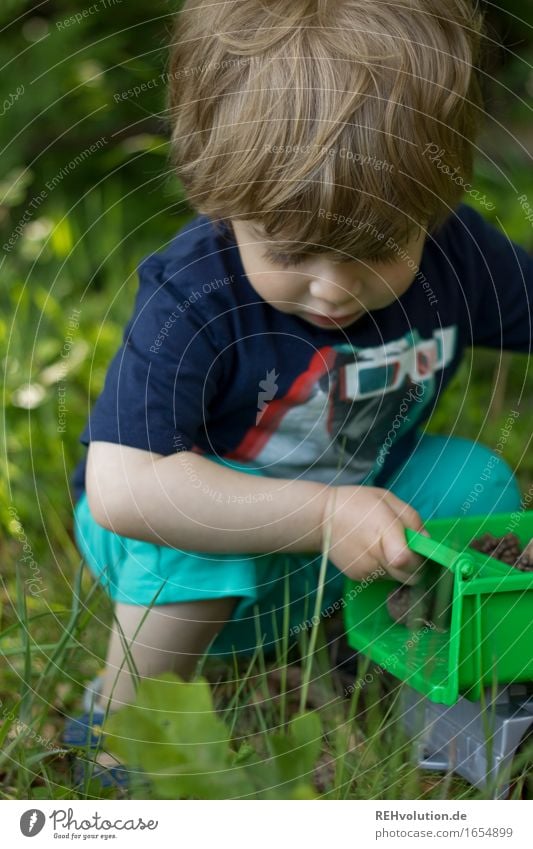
(420, 543)
(432, 548)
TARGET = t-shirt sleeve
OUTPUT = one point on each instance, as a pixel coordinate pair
(499, 275)
(160, 384)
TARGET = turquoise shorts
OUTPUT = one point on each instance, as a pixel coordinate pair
(277, 592)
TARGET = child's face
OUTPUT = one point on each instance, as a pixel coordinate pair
(325, 292)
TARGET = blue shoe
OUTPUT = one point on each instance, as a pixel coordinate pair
(85, 732)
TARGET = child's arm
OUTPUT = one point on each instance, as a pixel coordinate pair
(187, 501)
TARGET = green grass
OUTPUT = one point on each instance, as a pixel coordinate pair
(354, 749)
(356, 755)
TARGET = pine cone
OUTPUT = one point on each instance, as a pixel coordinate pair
(399, 603)
(409, 605)
(507, 549)
(525, 561)
(486, 543)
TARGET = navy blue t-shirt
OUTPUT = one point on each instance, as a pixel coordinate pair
(207, 365)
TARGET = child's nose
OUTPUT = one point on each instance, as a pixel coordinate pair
(336, 293)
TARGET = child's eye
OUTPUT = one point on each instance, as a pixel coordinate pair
(286, 260)
(378, 259)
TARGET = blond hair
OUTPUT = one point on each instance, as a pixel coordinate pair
(312, 117)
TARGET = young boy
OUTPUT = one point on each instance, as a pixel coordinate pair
(288, 346)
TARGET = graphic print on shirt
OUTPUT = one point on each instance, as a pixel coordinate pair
(348, 408)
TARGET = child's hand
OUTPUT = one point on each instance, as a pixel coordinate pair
(368, 532)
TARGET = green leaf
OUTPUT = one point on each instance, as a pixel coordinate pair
(296, 754)
(174, 736)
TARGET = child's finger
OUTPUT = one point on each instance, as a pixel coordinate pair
(410, 578)
(408, 575)
(396, 553)
(408, 515)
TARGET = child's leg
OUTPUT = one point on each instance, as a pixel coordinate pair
(172, 637)
(453, 476)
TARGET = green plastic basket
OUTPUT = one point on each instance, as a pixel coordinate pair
(489, 640)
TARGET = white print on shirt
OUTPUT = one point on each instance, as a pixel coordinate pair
(341, 417)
